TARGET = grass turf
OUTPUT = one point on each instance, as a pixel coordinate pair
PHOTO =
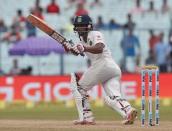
(57, 111)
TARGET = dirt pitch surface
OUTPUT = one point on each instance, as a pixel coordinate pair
(53, 125)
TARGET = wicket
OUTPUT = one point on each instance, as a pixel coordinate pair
(150, 70)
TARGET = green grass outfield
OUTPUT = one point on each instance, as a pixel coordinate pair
(58, 111)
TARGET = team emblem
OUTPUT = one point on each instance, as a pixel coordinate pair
(79, 19)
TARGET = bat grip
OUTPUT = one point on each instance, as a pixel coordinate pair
(72, 44)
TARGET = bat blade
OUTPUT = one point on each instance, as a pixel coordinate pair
(42, 25)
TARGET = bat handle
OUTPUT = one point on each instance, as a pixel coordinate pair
(82, 54)
(72, 44)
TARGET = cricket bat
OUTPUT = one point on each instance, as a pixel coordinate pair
(42, 25)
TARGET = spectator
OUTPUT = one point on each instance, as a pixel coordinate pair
(19, 27)
(96, 3)
(19, 17)
(113, 25)
(161, 52)
(13, 36)
(19, 20)
(154, 39)
(130, 24)
(100, 23)
(81, 10)
(3, 27)
(151, 58)
(31, 30)
(165, 8)
(37, 10)
(169, 55)
(130, 56)
(138, 9)
(53, 7)
(15, 70)
(151, 9)
(39, 13)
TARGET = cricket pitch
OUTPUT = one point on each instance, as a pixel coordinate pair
(54, 125)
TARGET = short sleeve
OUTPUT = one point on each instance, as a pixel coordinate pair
(95, 37)
(98, 38)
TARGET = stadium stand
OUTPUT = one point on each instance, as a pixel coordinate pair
(117, 9)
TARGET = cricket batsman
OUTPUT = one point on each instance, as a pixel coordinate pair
(103, 70)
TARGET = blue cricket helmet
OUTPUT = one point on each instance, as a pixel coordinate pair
(82, 20)
(83, 23)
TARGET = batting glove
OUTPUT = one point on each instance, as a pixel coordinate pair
(80, 48)
(67, 46)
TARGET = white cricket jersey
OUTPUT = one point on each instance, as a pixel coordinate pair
(93, 38)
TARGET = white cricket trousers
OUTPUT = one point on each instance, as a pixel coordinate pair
(106, 72)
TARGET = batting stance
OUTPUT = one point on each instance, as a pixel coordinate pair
(102, 70)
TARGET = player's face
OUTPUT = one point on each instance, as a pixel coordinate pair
(81, 29)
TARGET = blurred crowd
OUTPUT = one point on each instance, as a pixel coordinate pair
(160, 52)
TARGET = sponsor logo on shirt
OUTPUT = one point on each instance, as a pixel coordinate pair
(98, 37)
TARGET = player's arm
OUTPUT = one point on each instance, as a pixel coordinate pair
(96, 49)
(96, 42)
(96, 45)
